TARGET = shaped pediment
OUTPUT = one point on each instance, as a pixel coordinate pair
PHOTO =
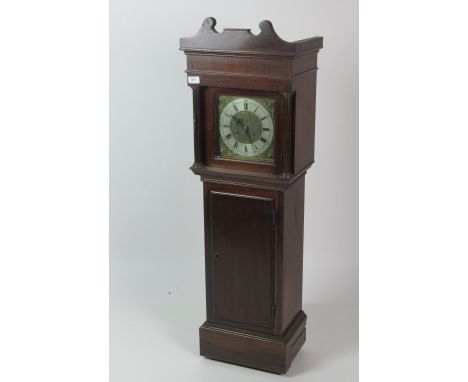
(233, 40)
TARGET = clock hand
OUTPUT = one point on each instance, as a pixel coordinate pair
(238, 121)
(246, 128)
(248, 133)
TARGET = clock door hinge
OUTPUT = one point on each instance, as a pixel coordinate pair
(273, 310)
(273, 220)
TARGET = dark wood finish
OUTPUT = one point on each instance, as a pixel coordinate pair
(248, 178)
(242, 40)
(242, 258)
(254, 212)
(304, 116)
(250, 215)
(233, 209)
(261, 351)
(197, 127)
(286, 136)
(292, 245)
(237, 59)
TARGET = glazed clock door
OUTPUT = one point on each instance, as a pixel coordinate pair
(242, 263)
(240, 130)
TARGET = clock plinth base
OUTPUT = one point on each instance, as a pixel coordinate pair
(253, 349)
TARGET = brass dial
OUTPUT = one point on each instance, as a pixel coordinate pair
(246, 128)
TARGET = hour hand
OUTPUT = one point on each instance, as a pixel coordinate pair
(248, 134)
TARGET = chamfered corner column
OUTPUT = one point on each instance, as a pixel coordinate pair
(286, 165)
(197, 128)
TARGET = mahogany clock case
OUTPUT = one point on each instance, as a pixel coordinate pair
(253, 211)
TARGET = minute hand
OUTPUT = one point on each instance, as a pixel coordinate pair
(238, 121)
(246, 128)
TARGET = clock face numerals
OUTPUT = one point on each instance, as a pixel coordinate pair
(246, 128)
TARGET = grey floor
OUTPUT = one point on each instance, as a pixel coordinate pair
(160, 343)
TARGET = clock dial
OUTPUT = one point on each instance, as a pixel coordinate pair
(246, 128)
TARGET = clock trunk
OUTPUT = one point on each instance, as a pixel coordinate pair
(253, 269)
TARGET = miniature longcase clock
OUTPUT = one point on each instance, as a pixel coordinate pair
(254, 125)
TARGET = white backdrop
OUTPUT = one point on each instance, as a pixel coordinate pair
(156, 220)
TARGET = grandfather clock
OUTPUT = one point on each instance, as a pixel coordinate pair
(254, 122)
